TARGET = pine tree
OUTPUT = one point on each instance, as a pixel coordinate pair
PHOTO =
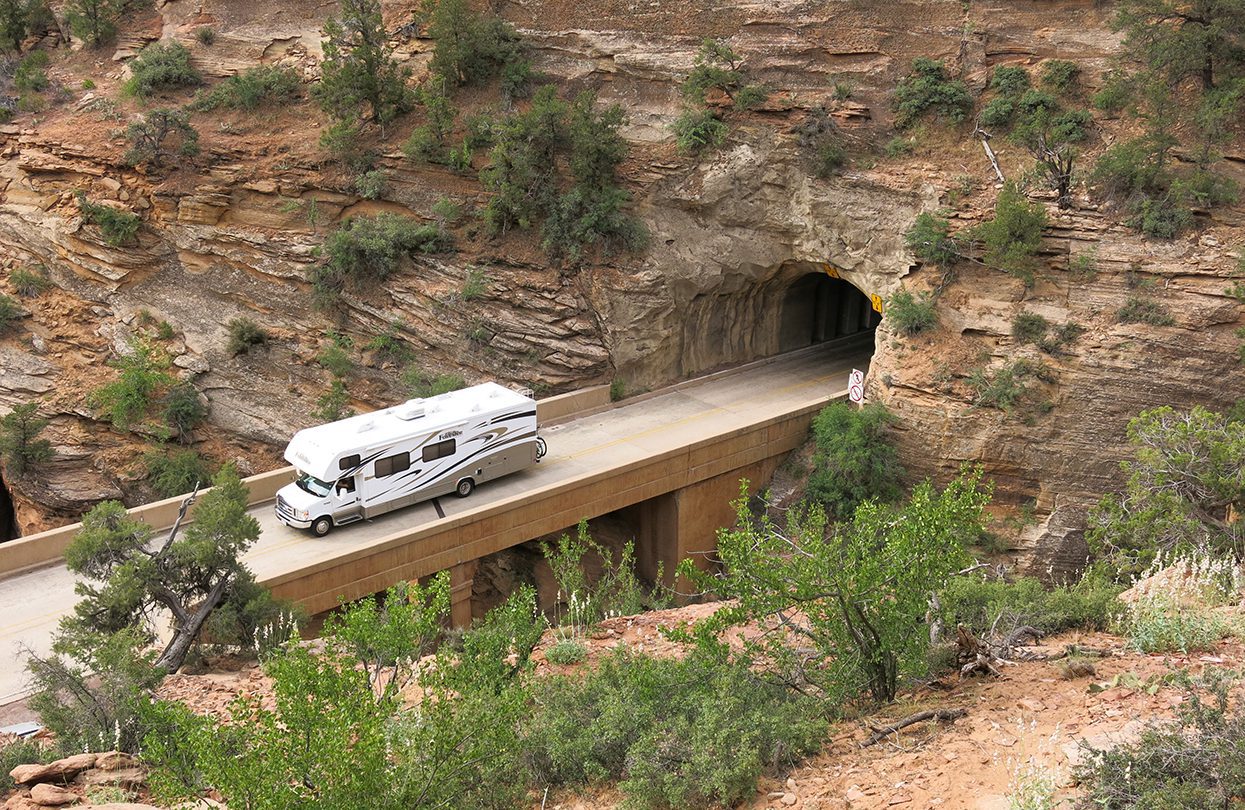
(358, 71)
(19, 442)
(94, 21)
(1181, 39)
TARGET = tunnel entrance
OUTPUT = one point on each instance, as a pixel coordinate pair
(817, 308)
(8, 515)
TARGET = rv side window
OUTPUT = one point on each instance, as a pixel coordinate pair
(440, 450)
(393, 464)
(348, 462)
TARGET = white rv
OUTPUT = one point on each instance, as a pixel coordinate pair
(370, 464)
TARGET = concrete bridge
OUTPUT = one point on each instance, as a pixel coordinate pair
(675, 456)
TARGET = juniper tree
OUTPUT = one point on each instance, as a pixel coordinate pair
(94, 21)
(1181, 39)
(161, 134)
(359, 72)
(19, 438)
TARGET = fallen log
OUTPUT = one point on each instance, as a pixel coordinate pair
(882, 732)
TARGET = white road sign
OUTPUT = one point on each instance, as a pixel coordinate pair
(856, 386)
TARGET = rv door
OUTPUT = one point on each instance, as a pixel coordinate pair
(345, 500)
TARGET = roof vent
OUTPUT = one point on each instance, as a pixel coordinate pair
(412, 409)
(366, 426)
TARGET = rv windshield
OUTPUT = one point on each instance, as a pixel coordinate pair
(313, 485)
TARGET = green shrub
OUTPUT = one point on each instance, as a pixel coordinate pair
(127, 399)
(390, 346)
(94, 21)
(161, 134)
(244, 335)
(30, 283)
(250, 619)
(930, 240)
(118, 227)
(419, 384)
(1010, 80)
(830, 156)
(10, 313)
(1144, 310)
(1060, 76)
(448, 212)
(676, 733)
(698, 130)
(614, 591)
(984, 605)
(371, 184)
(911, 314)
(1007, 386)
(371, 247)
(253, 87)
(161, 66)
(897, 147)
(183, 410)
(335, 359)
(474, 285)
(20, 444)
(854, 460)
(1194, 763)
(173, 474)
(344, 142)
(358, 72)
(88, 84)
(21, 752)
(206, 35)
(1029, 327)
(1158, 623)
(566, 651)
(928, 90)
(333, 404)
(1012, 238)
(31, 76)
(1084, 266)
(998, 113)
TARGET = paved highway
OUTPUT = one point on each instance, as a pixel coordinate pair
(32, 603)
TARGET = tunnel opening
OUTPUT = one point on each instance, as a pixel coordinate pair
(8, 515)
(818, 307)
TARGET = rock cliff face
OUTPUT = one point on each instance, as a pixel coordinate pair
(732, 235)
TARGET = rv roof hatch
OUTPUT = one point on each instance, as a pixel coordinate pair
(412, 409)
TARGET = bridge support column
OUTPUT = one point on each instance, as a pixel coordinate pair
(462, 579)
(684, 523)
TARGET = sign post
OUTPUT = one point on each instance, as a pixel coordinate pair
(856, 386)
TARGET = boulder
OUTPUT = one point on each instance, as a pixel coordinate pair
(62, 770)
(47, 795)
(114, 761)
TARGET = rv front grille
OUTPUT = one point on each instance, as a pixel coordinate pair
(283, 508)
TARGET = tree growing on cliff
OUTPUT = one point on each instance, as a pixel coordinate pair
(472, 48)
(128, 584)
(1185, 489)
(19, 439)
(358, 72)
(1186, 39)
(161, 134)
(94, 21)
(846, 599)
(15, 21)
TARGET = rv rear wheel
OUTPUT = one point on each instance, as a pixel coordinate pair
(322, 526)
(465, 487)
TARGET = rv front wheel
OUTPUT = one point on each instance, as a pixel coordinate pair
(465, 487)
(322, 526)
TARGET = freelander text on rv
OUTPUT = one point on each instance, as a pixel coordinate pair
(367, 465)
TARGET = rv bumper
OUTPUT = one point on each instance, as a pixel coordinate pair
(297, 524)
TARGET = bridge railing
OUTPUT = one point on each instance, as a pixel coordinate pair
(47, 547)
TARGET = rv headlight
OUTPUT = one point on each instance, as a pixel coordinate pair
(304, 514)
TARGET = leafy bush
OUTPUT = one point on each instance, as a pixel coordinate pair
(1157, 623)
(266, 84)
(911, 314)
(90, 693)
(854, 461)
(419, 384)
(1010, 80)
(998, 113)
(1144, 310)
(928, 90)
(930, 240)
(1012, 238)
(677, 733)
(615, 591)
(172, 474)
(389, 346)
(1029, 327)
(161, 66)
(21, 752)
(371, 247)
(566, 651)
(719, 67)
(30, 283)
(698, 130)
(244, 335)
(206, 35)
(371, 184)
(20, 444)
(1007, 386)
(1197, 762)
(31, 76)
(160, 135)
(983, 605)
(1060, 76)
(128, 398)
(335, 359)
(10, 312)
(117, 226)
(183, 410)
(251, 620)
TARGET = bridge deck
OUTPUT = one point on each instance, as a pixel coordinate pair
(605, 444)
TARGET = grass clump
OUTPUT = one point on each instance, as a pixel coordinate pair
(420, 384)
(30, 283)
(250, 89)
(1007, 386)
(244, 335)
(1139, 309)
(986, 605)
(928, 90)
(10, 312)
(161, 66)
(566, 651)
(118, 227)
(206, 36)
(910, 314)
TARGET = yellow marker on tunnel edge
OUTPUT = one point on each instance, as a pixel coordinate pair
(831, 270)
(877, 302)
